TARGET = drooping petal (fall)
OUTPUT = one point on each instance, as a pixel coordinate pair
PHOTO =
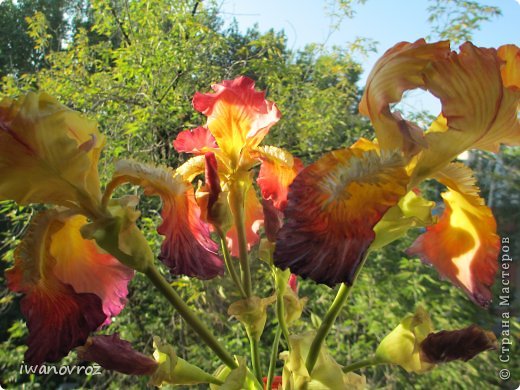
(113, 353)
(188, 248)
(463, 246)
(48, 153)
(277, 172)
(80, 264)
(332, 208)
(197, 141)
(58, 318)
(254, 218)
(238, 116)
(400, 69)
(480, 105)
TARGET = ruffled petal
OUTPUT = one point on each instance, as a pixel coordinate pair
(238, 116)
(277, 172)
(463, 246)
(192, 168)
(187, 248)
(332, 208)
(254, 218)
(400, 69)
(113, 353)
(58, 318)
(80, 264)
(479, 110)
(48, 153)
(197, 141)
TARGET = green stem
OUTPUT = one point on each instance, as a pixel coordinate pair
(255, 358)
(193, 321)
(239, 219)
(326, 325)
(274, 358)
(280, 314)
(361, 364)
(330, 317)
(229, 263)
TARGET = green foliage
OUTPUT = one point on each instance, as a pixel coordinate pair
(457, 20)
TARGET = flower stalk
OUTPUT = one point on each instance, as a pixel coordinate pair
(361, 364)
(193, 321)
(330, 317)
(273, 358)
(229, 264)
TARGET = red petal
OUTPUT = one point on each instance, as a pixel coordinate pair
(196, 141)
(277, 172)
(80, 264)
(188, 248)
(58, 318)
(238, 116)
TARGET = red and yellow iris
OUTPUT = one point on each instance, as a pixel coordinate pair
(49, 154)
(335, 204)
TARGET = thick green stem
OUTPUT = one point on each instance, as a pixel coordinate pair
(274, 358)
(193, 321)
(326, 325)
(330, 317)
(280, 314)
(255, 358)
(229, 264)
(361, 364)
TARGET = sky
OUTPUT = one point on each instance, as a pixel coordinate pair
(385, 21)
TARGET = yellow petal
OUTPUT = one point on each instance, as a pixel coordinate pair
(463, 246)
(48, 153)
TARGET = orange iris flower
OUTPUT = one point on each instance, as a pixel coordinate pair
(361, 198)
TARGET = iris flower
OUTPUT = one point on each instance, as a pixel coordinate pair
(360, 198)
(225, 150)
(49, 154)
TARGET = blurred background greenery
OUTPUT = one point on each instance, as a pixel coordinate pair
(134, 66)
